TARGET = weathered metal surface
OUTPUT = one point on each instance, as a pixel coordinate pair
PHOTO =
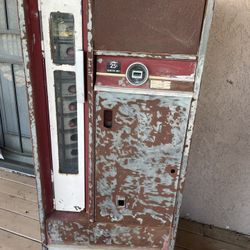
(174, 69)
(178, 75)
(139, 158)
(145, 55)
(38, 110)
(90, 111)
(73, 230)
(134, 158)
(30, 39)
(170, 26)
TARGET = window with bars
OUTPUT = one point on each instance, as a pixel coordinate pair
(15, 138)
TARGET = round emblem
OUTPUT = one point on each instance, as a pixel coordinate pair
(137, 74)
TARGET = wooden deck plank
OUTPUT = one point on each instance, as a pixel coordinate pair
(15, 177)
(19, 214)
(18, 189)
(19, 206)
(227, 236)
(94, 247)
(9, 241)
(197, 242)
(191, 226)
(19, 224)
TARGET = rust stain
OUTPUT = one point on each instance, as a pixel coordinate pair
(134, 173)
(137, 163)
(138, 159)
(106, 234)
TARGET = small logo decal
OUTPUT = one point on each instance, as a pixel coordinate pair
(114, 67)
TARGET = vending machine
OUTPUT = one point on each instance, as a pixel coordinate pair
(115, 90)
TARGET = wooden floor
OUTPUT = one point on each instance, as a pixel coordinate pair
(19, 226)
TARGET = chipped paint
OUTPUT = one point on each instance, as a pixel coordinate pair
(89, 28)
(26, 62)
(144, 55)
(134, 159)
(108, 234)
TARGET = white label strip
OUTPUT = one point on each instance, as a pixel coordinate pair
(144, 91)
(166, 78)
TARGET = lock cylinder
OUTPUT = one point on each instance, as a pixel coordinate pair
(137, 74)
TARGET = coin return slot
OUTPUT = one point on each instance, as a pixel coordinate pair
(108, 117)
(136, 74)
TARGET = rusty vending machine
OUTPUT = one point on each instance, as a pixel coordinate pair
(115, 91)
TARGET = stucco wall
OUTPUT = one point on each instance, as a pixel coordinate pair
(217, 190)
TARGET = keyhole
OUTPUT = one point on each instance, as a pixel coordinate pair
(172, 171)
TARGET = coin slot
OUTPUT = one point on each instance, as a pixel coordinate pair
(137, 74)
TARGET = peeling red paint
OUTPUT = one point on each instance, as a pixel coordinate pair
(135, 171)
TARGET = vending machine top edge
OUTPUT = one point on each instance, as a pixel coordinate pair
(114, 93)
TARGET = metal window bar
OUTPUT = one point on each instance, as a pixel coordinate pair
(17, 108)
(6, 14)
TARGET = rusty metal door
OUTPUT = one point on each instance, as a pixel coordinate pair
(15, 138)
(139, 145)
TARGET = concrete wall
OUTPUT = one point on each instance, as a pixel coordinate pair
(218, 182)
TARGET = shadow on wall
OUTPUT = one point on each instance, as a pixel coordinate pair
(218, 184)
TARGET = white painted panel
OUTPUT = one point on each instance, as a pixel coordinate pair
(69, 189)
(144, 91)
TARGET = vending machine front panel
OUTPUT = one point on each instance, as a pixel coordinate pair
(120, 131)
(141, 121)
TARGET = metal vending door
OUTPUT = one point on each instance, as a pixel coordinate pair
(142, 110)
